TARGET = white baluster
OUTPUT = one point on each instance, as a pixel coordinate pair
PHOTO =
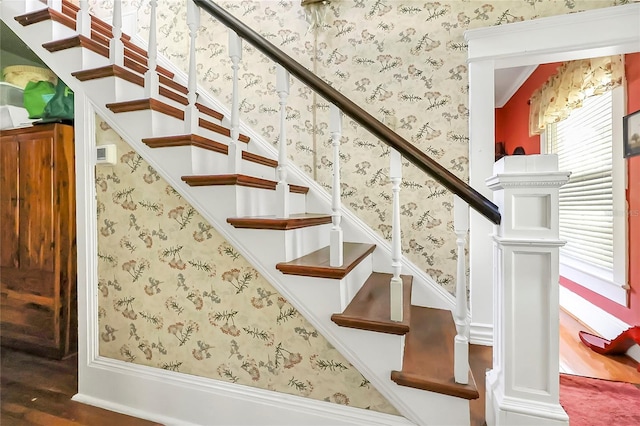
(151, 76)
(282, 189)
(55, 5)
(191, 113)
(235, 152)
(56, 31)
(83, 19)
(336, 238)
(116, 48)
(461, 348)
(395, 175)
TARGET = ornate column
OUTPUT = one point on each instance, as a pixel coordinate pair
(523, 386)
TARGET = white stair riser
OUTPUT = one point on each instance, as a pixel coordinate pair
(77, 59)
(151, 123)
(114, 89)
(248, 201)
(46, 31)
(283, 246)
(207, 162)
(354, 281)
(258, 170)
(30, 6)
(177, 159)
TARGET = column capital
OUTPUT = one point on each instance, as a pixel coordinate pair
(526, 191)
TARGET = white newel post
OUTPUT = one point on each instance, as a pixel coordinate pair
(461, 346)
(191, 112)
(336, 237)
(282, 188)
(151, 82)
(523, 386)
(395, 175)
(116, 47)
(235, 153)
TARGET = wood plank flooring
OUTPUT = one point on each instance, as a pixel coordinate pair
(576, 358)
(38, 391)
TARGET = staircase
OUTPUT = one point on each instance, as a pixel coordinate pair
(411, 362)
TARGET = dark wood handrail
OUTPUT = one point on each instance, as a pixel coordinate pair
(409, 151)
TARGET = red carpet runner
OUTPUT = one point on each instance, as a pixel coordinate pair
(595, 402)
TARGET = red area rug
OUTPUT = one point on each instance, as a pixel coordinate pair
(595, 402)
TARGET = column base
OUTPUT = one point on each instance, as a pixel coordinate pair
(501, 410)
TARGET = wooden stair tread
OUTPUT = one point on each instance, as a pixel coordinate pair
(132, 77)
(259, 159)
(135, 57)
(241, 180)
(109, 71)
(294, 221)
(205, 124)
(71, 10)
(146, 104)
(316, 264)
(209, 111)
(77, 41)
(428, 355)
(205, 143)
(46, 14)
(370, 309)
(174, 90)
(186, 140)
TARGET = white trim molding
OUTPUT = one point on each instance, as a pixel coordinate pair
(544, 40)
(174, 398)
(481, 334)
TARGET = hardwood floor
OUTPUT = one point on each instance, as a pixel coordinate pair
(38, 391)
(576, 358)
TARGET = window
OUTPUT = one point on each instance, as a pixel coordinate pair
(592, 204)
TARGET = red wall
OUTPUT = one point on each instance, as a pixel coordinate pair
(511, 126)
(512, 120)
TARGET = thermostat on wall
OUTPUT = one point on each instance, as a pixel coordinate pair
(106, 154)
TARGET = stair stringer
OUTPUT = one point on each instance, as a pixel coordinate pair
(374, 355)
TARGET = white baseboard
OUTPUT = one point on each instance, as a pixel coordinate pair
(173, 398)
(601, 321)
(481, 334)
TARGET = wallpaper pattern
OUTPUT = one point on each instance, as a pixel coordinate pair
(403, 61)
(168, 301)
(175, 295)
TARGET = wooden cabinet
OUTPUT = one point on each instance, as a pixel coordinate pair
(37, 240)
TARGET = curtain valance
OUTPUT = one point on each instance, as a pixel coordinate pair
(574, 82)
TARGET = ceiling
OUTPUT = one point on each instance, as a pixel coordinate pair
(507, 82)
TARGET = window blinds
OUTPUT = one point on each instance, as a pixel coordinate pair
(583, 143)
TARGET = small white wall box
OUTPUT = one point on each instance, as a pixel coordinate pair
(106, 154)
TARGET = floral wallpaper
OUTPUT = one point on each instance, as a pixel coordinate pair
(403, 61)
(169, 301)
(175, 295)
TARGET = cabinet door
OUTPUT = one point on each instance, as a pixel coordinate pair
(37, 225)
(9, 202)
